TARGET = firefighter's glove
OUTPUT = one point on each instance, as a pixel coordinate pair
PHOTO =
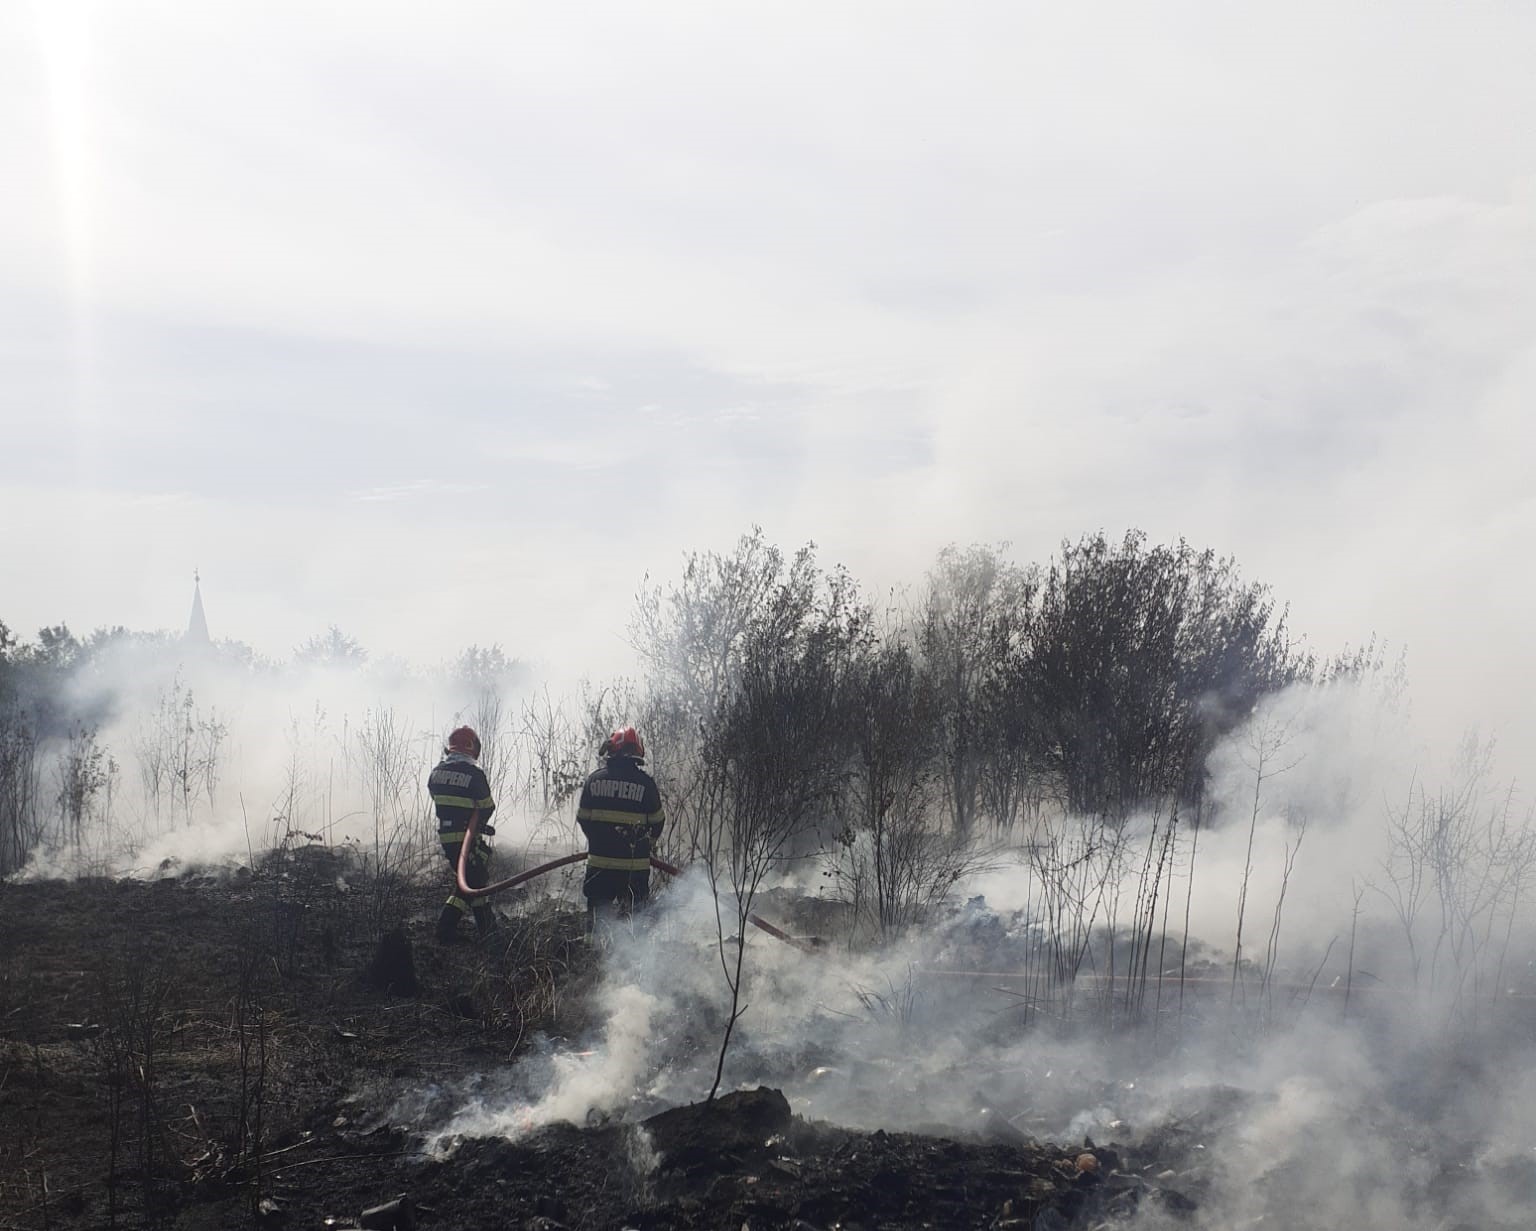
(488, 830)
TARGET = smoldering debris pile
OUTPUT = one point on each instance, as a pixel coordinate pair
(746, 1161)
(1216, 1156)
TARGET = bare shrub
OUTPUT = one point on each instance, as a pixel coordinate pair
(138, 1003)
(384, 756)
(1460, 861)
(778, 768)
(84, 775)
(556, 762)
(178, 749)
(21, 814)
(1265, 758)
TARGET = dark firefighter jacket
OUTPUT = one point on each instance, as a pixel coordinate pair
(620, 812)
(458, 788)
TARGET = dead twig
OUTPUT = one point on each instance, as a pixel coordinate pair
(352, 1158)
(297, 1145)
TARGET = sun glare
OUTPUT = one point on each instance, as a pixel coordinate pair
(63, 34)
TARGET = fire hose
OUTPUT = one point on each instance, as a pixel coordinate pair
(661, 865)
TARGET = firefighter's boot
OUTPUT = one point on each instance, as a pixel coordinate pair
(485, 922)
(448, 925)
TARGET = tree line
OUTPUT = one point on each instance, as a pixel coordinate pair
(1097, 683)
(791, 713)
(1066, 709)
(784, 705)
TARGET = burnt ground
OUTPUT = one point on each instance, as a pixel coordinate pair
(188, 1052)
(197, 1052)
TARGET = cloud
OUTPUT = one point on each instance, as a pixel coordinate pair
(415, 489)
(879, 278)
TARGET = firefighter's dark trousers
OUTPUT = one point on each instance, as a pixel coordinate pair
(477, 874)
(614, 891)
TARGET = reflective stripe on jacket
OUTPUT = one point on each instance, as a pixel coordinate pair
(459, 789)
(621, 815)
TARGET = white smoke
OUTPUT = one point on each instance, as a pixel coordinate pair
(1351, 1108)
(214, 763)
(1355, 1060)
(573, 1086)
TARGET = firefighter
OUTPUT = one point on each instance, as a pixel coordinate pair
(620, 813)
(460, 791)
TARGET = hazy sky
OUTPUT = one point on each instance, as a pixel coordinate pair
(446, 323)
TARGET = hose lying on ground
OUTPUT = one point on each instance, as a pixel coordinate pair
(661, 865)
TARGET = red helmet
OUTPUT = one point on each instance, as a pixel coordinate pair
(464, 739)
(625, 742)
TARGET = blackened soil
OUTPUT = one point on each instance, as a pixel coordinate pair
(723, 1165)
(185, 1052)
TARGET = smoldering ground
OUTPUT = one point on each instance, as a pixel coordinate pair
(1351, 1067)
(1318, 1116)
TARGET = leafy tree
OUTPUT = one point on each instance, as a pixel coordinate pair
(333, 648)
(778, 752)
(1142, 658)
(693, 635)
(749, 659)
(898, 859)
(488, 667)
(234, 653)
(976, 620)
(696, 638)
(56, 649)
(104, 639)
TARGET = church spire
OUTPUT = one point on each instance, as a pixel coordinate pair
(197, 626)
